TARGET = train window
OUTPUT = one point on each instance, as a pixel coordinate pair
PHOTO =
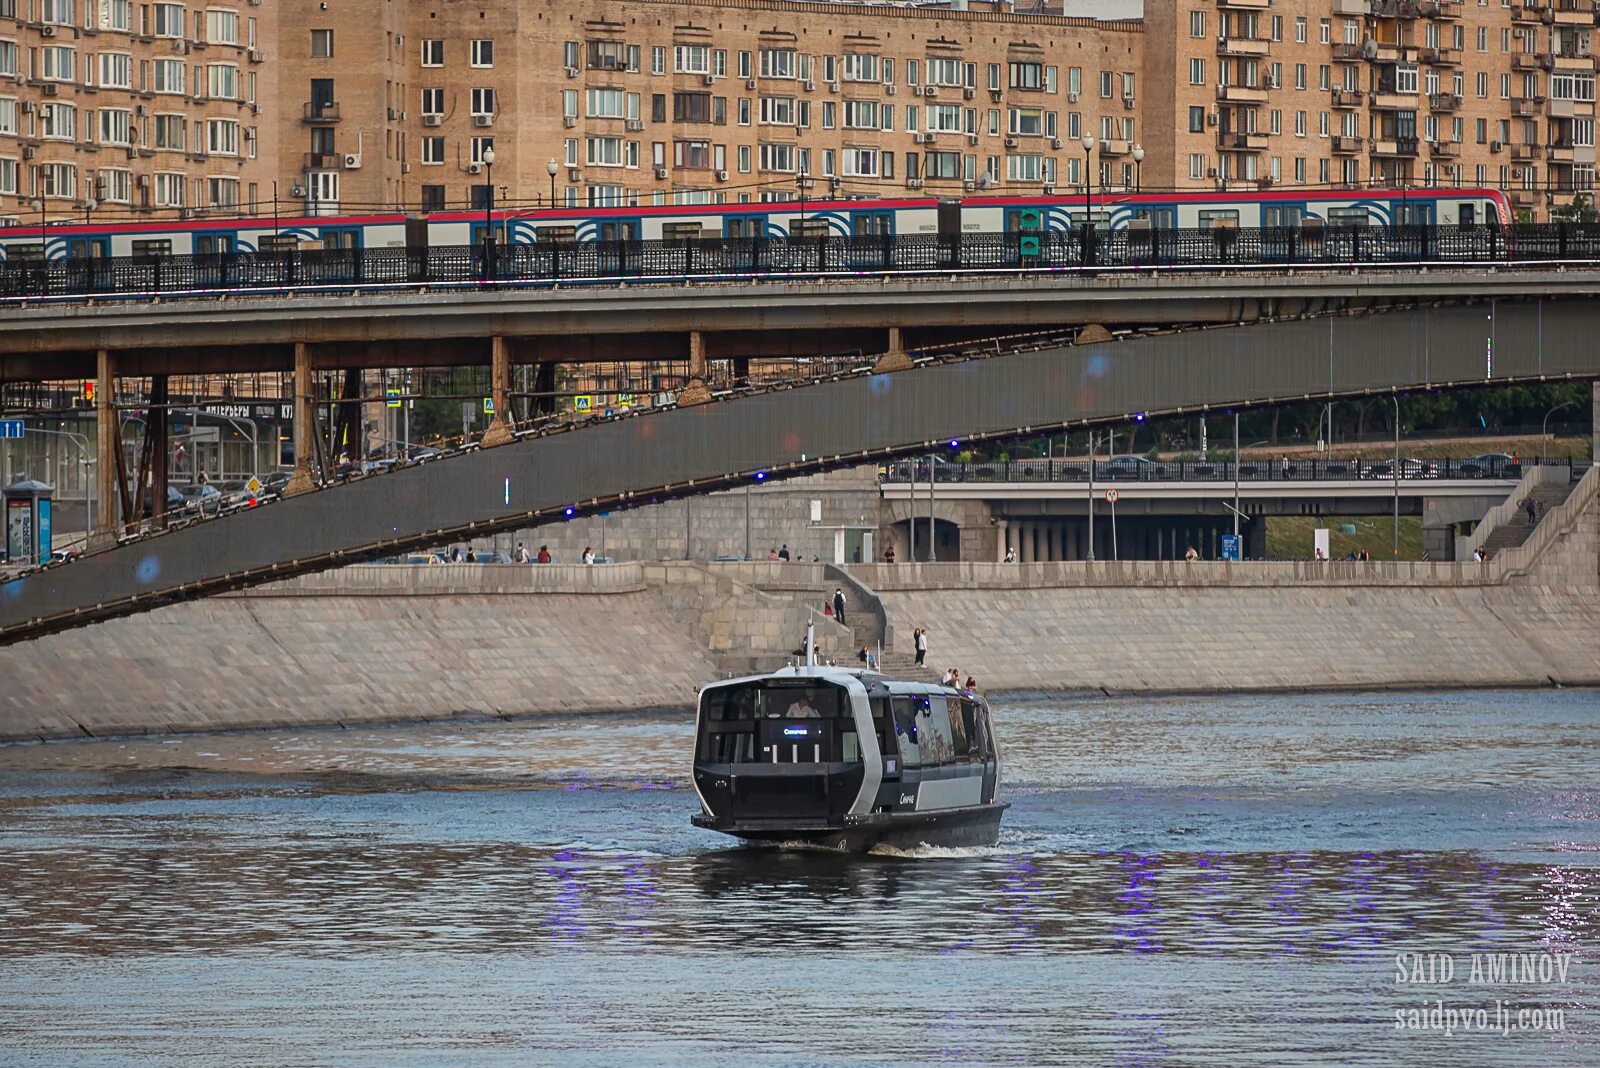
(810, 228)
(1467, 218)
(682, 231)
(1348, 216)
(25, 253)
(564, 235)
(1219, 217)
(152, 248)
(872, 224)
(279, 243)
(213, 244)
(1281, 215)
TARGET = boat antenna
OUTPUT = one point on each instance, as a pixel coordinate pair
(811, 643)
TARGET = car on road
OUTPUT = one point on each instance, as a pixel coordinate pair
(1489, 465)
(202, 497)
(1127, 466)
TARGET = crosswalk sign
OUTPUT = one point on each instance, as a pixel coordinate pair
(488, 406)
(582, 403)
(393, 397)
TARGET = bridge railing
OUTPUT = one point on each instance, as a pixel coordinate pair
(1138, 469)
(761, 257)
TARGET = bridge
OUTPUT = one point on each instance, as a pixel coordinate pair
(784, 432)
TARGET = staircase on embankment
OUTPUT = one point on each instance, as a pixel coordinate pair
(1510, 535)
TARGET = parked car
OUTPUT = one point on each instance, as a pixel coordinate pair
(202, 497)
(1489, 465)
(1128, 466)
(61, 556)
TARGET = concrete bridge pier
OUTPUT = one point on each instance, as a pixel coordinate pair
(108, 451)
(499, 430)
(698, 390)
(305, 423)
(894, 357)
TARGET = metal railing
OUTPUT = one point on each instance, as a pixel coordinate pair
(548, 263)
(1290, 469)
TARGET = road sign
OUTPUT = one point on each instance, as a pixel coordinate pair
(488, 406)
(12, 429)
(1230, 546)
(624, 400)
(610, 412)
(254, 486)
(583, 402)
(1112, 495)
(393, 396)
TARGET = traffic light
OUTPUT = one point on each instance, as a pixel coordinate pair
(1028, 225)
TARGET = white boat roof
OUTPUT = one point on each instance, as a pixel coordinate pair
(837, 674)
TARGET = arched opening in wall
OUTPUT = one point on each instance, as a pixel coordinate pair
(946, 544)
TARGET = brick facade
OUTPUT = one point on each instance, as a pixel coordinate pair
(350, 106)
(111, 107)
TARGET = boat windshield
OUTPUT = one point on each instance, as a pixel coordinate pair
(778, 699)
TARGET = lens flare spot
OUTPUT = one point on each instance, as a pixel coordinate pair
(148, 569)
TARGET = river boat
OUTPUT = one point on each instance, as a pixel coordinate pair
(847, 759)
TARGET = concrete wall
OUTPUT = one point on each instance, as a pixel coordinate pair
(378, 643)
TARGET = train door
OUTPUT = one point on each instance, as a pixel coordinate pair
(1280, 226)
(213, 255)
(341, 251)
(873, 234)
(949, 233)
(1159, 218)
(618, 251)
(88, 261)
(744, 227)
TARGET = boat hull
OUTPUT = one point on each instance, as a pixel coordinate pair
(976, 825)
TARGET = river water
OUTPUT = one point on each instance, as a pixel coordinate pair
(1197, 881)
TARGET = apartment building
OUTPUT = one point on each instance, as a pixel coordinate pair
(110, 108)
(1387, 92)
(601, 103)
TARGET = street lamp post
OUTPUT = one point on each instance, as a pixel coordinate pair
(488, 215)
(1544, 427)
(1088, 195)
(550, 169)
(1138, 160)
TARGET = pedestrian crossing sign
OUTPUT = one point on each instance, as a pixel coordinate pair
(582, 403)
(392, 396)
(488, 406)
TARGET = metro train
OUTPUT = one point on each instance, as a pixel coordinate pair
(1465, 208)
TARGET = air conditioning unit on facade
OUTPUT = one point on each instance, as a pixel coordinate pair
(1011, 142)
(47, 31)
(483, 120)
(833, 87)
(750, 84)
(572, 72)
(1049, 190)
(722, 176)
(1211, 118)
(432, 120)
(913, 183)
(925, 139)
(1127, 102)
(972, 138)
(661, 174)
(969, 186)
(969, 93)
(570, 121)
(1056, 144)
(711, 79)
(635, 125)
(297, 190)
(352, 161)
(1072, 98)
(890, 90)
(930, 90)
(474, 168)
(811, 87)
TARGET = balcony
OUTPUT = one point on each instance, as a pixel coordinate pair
(1399, 146)
(1526, 61)
(1570, 109)
(1241, 94)
(1356, 8)
(1387, 100)
(1394, 52)
(1347, 53)
(1529, 11)
(1348, 98)
(1565, 61)
(1442, 57)
(1244, 5)
(1526, 106)
(1523, 198)
(1242, 46)
(1563, 152)
(320, 111)
(1524, 153)
(1241, 142)
(1393, 9)
(1114, 147)
(1449, 9)
(1346, 145)
(1571, 13)
(320, 161)
(1445, 149)
(1444, 102)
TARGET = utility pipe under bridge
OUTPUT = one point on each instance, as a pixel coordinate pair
(787, 432)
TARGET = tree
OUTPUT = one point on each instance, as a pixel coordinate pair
(1581, 210)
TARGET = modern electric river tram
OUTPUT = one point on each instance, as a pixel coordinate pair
(846, 759)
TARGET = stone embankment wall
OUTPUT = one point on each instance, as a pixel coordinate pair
(381, 643)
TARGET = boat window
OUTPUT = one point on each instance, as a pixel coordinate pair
(908, 730)
(960, 735)
(972, 719)
(936, 745)
(802, 699)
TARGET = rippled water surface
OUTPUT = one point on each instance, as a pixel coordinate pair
(1216, 881)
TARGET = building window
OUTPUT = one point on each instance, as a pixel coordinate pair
(1197, 24)
(116, 70)
(482, 52)
(1197, 165)
(222, 27)
(946, 72)
(691, 59)
(860, 68)
(1197, 72)
(169, 76)
(171, 132)
(169, 20)
(777, 157)
(8, 57)
(223, 193)
(222, 137)
(8, 176)
(115, 185)
(8, 115)
(169, 190)
(1300, 30)
(1027, 76)
(777, 63)
(483, 102)
(116, 125)
(222, 81)
(60, 64)
(116, 15)
(433, 101)
(59, 121)
(433, 150)
(433, 53)
(321, 44)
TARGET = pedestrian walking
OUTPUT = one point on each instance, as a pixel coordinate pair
(772, 556)
(521, 556)
(888, 555)
(920, 640)
(838, 604)
(1532, 510)
(588, 555)
(544, 554)
(1011, 555)
(783, 553)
